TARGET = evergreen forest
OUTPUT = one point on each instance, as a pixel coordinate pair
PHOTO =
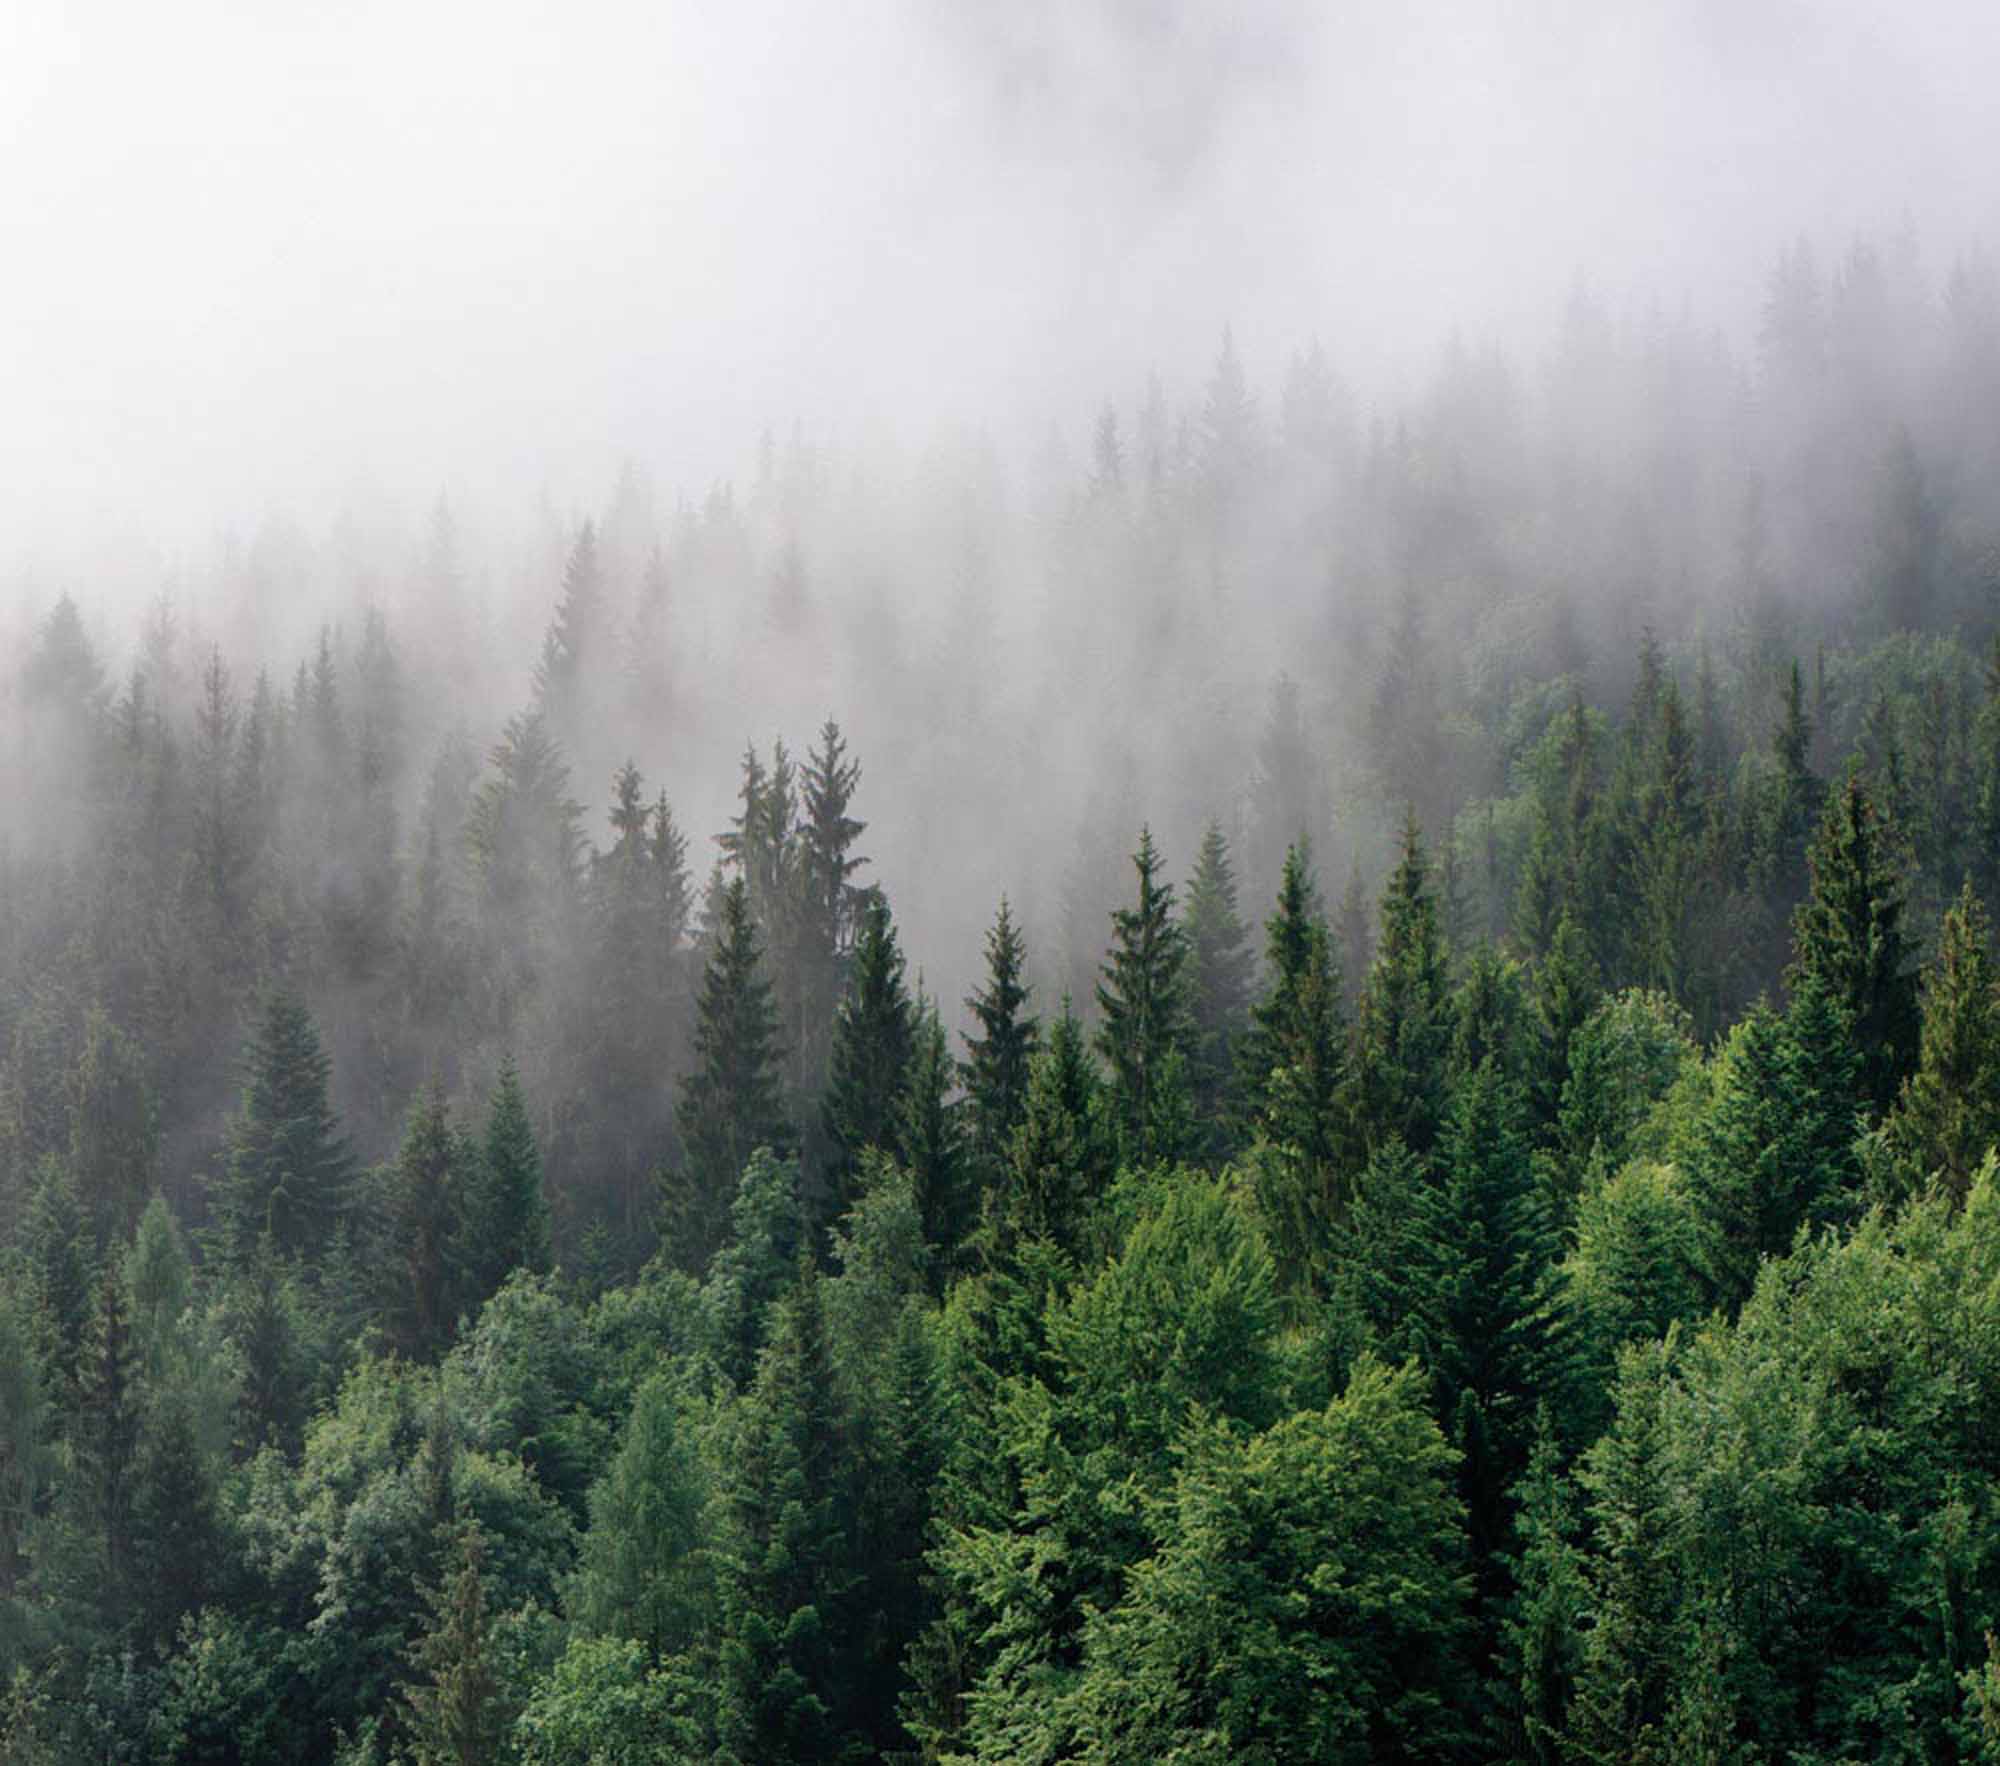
(1298, 1080)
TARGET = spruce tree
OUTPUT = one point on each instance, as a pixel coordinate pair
(104, 1455)
(455, 1713)
(570, 647)
(287, 1171)
(1948, 1116)
(729, 1104)
(426, 1222)
(1063, 1151)
(1143, 995)
(504, 1219)
(1219, 974)
(999, 1053)
(870, 1062)
(786, 1645)
(1294, 1072)
(931, 1143)
(1848, 938)
(1403, 1036)
(830, 907)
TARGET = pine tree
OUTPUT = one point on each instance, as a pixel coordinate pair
(786, 1585)
(177, 1541)
(1143, 997)
(1948, 1116)
(426, 1222)
(1062, 1154)
(27, 1445)
(287, 1171)
(831, 907)
(569, 650)
(1403, 1036)
(114, 1128)
(995, 1072)
(456, 1713)
(729, 1104)
(105, 1448)
(931, 1143)
(1294, 1070)
(504, 1218)
(1567, 991)
(1848, 937)
(872, 1038)
(1219, 974)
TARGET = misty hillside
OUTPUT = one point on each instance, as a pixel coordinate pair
(1081, 884)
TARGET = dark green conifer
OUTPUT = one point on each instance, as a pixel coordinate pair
(1403, 1036)
(1143, 995)
(872, 1038)
(730, 1103)
(1000, 1051)
(1219, 975)
(1848, 937)
(287, 1171)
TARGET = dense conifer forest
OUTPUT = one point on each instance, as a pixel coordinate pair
(1294, 1083)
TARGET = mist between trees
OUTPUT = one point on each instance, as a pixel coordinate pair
(1289, 1081)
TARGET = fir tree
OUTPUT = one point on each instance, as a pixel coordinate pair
(1947, 1118)
(729, 1104)
(1143, 998)
(1219, 972)
(872, 1038)
(786, 1585)
(1062, 1153)
(504, 1218)
(1848, 938)
(1403, 1036)
(831, 908)
(930, 1141)
(999, 1054)
(427, 1229)
(570, 646)
(287, 1172)
(456, 1712)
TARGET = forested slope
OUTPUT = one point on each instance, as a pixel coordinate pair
(1452, 1215)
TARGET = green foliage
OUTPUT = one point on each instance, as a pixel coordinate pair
(1219, 967)
(456, 1712)
(873, 1034)
(1947, 1118)
(604, 1704)
(729, 1104)
(1403, 1031)
(1848, 938)
(504, 1217)
(1063, 1152)
(999, 1055)
(288, 1171)
(1305, 1599)
(644, 1572)
(1624, 1059)
(1146, 1030)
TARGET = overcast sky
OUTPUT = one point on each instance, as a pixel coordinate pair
(254, 251)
